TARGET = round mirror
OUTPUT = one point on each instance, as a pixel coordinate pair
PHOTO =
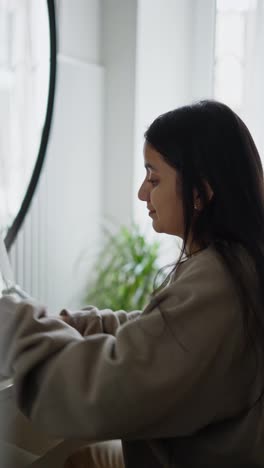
(27, 83)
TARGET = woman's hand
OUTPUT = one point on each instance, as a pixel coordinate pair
(87, 321)
(90, 320)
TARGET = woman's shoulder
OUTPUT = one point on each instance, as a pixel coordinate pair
(203, 300)
(207, 261)
(204, 278)
(203, 275)
(211, 260)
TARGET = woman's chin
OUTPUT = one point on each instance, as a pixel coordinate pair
(156, 226)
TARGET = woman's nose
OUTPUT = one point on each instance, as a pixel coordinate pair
(143, 193)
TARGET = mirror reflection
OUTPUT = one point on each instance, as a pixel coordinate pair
(24, 81)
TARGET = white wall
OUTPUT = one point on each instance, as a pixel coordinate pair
(119, 35)
(79, 27)
(74, 159)
(202, 49)
(74, 180)
(175, 53)
(163, 82)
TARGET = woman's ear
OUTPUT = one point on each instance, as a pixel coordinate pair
(197, 203)
(209, 190)
(196, 200)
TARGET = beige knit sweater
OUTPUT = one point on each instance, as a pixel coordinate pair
(174, 382)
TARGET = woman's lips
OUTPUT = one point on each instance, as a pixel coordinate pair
(151, 213)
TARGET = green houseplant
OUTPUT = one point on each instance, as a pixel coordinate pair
(124, 271)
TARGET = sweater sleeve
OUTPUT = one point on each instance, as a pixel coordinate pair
(158, 377)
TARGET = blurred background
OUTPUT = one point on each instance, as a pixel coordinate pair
(120, 63)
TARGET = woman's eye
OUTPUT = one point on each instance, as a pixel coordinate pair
(153, 182)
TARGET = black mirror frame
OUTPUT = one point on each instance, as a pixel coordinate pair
(14, 228)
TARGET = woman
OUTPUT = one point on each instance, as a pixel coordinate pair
(180, 383)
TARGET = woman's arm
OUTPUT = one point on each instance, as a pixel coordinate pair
(162, 375)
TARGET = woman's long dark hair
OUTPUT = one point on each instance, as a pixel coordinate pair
(209, 144)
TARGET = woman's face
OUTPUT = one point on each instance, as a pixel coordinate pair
(162, 194)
